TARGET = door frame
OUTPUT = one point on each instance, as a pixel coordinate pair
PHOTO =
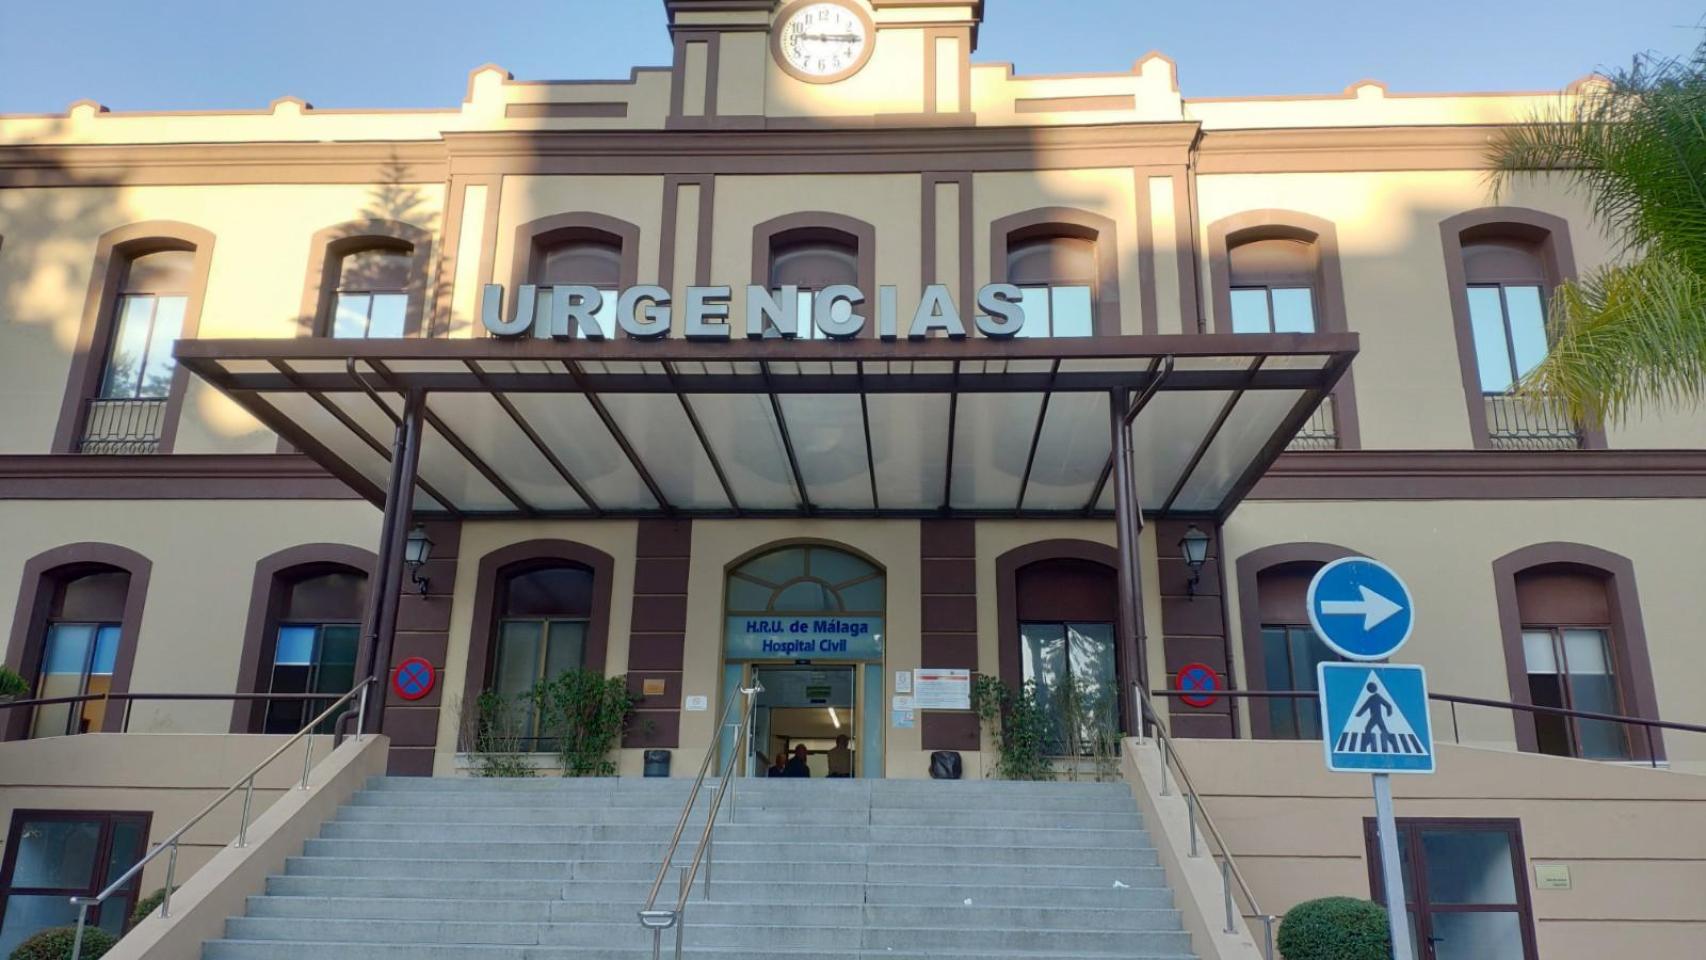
(1511, 827)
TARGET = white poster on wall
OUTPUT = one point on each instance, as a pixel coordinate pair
(935, 689)
(697, 704)
(903, 681)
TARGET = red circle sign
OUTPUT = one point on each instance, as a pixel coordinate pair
(414, 679)
(1199, 684)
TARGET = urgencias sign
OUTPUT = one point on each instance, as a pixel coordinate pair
(646, 312)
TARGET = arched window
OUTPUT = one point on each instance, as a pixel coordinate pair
(316, 643)
(1281, 649)
(1502, 264)
(80, 647)
(806, 579)
(145, 292)
(1066, 263)
(1573, 639)
(366, 280)
(589, 259)
(812, 259)
(1272, 286)
(1067, 610)
(543, 616)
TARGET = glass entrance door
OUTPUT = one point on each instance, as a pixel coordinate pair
(806, 722)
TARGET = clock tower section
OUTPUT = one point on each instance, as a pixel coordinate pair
(780, 64)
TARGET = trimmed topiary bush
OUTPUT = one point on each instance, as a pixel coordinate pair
(1335, 928)
(55, 943)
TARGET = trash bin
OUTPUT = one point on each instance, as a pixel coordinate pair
(657, 763)
(945, 765)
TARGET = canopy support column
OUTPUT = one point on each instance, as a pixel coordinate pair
(386, 584)
(1131, 655)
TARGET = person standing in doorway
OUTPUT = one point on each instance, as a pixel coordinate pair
(797, 766)
(840, 759)
(780, 767)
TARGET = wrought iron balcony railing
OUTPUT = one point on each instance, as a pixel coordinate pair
(1514, 423)
(125, 426)
(1321, 432)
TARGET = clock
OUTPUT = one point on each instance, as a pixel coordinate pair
(822, 41)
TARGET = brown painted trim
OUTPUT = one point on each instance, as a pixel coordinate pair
(207, 164)
(864, 234)
(1323, 239)
(930, 272)
(483, 633)
(668, 238)
(1250, 567)
(1557, 258)
(330, 244)
(1145, 252)
(965, 37)
(1067, 222)
(563, 110)
(1007, 567)
(1368, 475)
(1346, 149)
(1185, 240)
(532, 237)
(1418, 858)
(113, 253)
(179, 477)
(870, 46)
(266, 601)
(42, 573)
(1628, 635)
(713, 41)
(489, 230)
(1117, 101)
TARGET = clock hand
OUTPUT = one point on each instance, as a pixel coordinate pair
(844, 37)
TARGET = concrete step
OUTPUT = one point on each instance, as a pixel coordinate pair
(277, 950)
(505, 814)
(1042, 834)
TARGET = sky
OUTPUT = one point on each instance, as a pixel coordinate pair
(242, 54)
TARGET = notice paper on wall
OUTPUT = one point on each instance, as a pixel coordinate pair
(905, 703)
(935, 689)
(904, 719)
(697, 704)
(903, 681)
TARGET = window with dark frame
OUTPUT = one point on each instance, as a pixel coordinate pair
(1273, 286)
(1290, 654)
(1067, 610)
(372, 296)
(1465, 888)
(1056, 276)
(587, 261)
(812, 260)
(127, 413)
(79, 651)
(544, 615)
(54, 855)
(315, 645)
(1569, 661)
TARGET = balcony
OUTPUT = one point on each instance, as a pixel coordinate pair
(126, 426)
(1514, 423)
(1321, 432)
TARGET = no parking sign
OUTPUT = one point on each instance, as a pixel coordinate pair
(414, 679)
(1198, 685)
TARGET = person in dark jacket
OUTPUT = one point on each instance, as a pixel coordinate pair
(780, 767)
(797, 764)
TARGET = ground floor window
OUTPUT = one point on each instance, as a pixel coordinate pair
(77, 660)
(1290, 653)
(1465, 889)
(541, 633)
(310, 658)
(1570, 667)
(1070, 669)
(53, 855)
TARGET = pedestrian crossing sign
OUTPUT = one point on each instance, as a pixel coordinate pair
(1374, 718)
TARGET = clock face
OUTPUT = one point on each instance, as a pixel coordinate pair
(822, 42)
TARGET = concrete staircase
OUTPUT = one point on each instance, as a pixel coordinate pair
(459, 869)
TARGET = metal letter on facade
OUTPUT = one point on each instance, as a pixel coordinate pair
(1003, 315)
(707, 313)
(643, 312)
(492, 309)
(828, 315)
(936, 312)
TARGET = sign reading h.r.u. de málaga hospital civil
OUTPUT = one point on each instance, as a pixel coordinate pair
(647, 313)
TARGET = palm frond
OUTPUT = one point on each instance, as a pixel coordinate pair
(1626, 336)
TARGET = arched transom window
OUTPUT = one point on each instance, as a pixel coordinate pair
(806, 579)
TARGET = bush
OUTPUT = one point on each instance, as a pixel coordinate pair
(146, 906)
(1335, 928)
(1018, 726)
(496, 734)
(12, 684)
(55, 943)
(583, 713)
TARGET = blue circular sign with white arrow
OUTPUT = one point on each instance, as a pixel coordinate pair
(1361, 608)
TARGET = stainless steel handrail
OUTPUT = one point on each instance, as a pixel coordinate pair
(1229, 872)
(247, 784)
(653, 919)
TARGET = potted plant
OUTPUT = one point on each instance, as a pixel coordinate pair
(12, 686)
(1335, 928)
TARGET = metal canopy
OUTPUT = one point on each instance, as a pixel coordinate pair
(1015, 428)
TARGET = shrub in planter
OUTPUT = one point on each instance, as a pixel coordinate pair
(55, 943)
(12, 685)
(146, 906)
(1335, 928)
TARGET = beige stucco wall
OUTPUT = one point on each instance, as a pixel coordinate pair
(170, 776)
(1445, 551)
(262, 234)
(1634, 839)
(203, 555)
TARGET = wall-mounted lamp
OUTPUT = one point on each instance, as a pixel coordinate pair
(417, 550)
(1194, 547)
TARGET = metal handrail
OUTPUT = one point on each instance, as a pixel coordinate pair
(1229, 872)
(652, 918)
(130, 699)
(247, 784)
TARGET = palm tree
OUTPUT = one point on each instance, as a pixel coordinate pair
(1632, 333)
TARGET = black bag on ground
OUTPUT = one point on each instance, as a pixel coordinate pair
(945, 765)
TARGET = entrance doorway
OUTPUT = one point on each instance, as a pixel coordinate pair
(811, 707)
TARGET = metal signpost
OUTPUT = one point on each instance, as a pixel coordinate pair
(1374, 716)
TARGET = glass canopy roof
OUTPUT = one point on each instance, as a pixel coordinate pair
(777, 428)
